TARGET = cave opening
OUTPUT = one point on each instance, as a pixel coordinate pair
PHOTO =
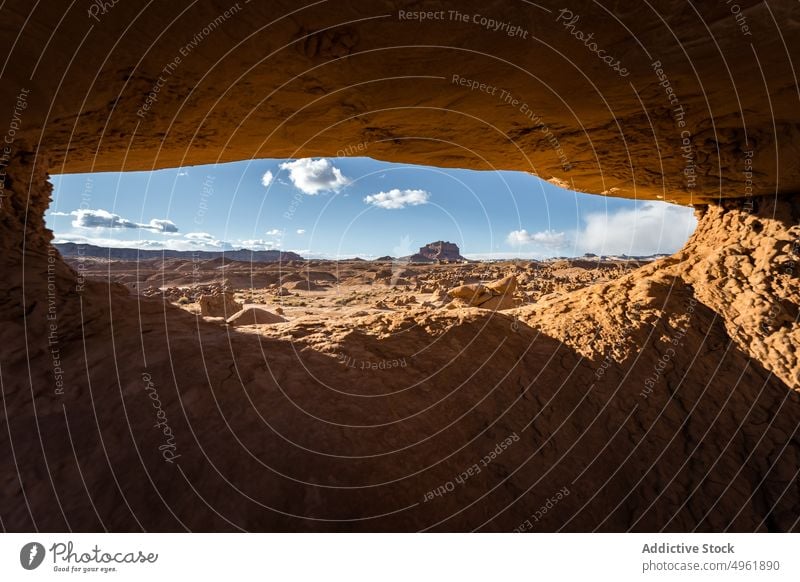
(312, 235)
(350, 345)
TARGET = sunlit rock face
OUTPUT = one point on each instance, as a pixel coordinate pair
(666, 399)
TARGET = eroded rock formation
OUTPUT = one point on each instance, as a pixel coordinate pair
(439, 251)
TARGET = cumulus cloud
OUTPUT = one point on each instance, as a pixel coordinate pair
(176, 244)
(88, 218)
(650, 228)
(544, 238)
(56, 213)
(273, 232)
(314, 176)
(191, 241)
(199, 236)
(258, 244)
(301, 231)
(266, 179)
(161, 225)
(395, 198)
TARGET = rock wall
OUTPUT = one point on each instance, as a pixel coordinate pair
(742, 262)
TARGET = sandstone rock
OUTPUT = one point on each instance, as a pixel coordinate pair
(505, 286)
(499, 302)
(305, 285)
(471, 294)
(254, 315)
(496, 295)
(437, 252)
(405, 300)
(221, 305)
(323, 276)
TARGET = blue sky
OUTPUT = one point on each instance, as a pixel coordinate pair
(345, 207)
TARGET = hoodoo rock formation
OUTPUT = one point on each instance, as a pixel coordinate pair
(665, 400)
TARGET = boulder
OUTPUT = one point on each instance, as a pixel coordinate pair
(472, 294)
(505, 286)
(221, 305)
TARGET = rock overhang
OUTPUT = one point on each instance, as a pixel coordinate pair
(667, 102)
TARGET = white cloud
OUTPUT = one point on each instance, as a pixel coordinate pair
(301, 231)
(258, 244)
(191, 241)
(176, 244)
(199, 236)
(88, 218)
(160, 225)
(545, 238)
(315, 176)
(395, 198)
(506, 255)
(651, 228)
(183, 173)
(274, 232)
(266, 179)
(55, 213)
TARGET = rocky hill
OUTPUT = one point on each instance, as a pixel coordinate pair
(73, 250)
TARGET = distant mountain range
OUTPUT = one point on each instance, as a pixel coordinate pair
(75, 250)
(436, 252)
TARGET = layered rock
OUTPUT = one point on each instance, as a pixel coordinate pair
(437, 252)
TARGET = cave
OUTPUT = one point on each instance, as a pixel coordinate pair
(665, 400)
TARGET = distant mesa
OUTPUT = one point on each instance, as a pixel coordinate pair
(384, 259)
(437, 252)
(75, 250)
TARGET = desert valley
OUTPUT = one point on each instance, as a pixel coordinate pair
(294, 291)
